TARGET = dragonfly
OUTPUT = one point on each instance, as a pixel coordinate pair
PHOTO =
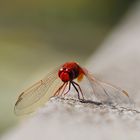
(59, 83)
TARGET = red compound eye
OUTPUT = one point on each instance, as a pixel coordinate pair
(64, 76)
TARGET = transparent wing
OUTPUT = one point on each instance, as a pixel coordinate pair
(38, 94)
(107, 93)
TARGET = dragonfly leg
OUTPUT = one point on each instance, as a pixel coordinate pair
(68, 89)
(79, 89)
(64, 88)
(76, 90)
(59, 89)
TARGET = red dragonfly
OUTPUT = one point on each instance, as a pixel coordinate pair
(60, 81)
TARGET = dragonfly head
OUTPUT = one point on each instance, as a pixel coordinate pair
(67, 74)
(64, 74)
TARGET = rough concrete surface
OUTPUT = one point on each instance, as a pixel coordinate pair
(117, 62)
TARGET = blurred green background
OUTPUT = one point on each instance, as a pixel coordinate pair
(35, 36)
